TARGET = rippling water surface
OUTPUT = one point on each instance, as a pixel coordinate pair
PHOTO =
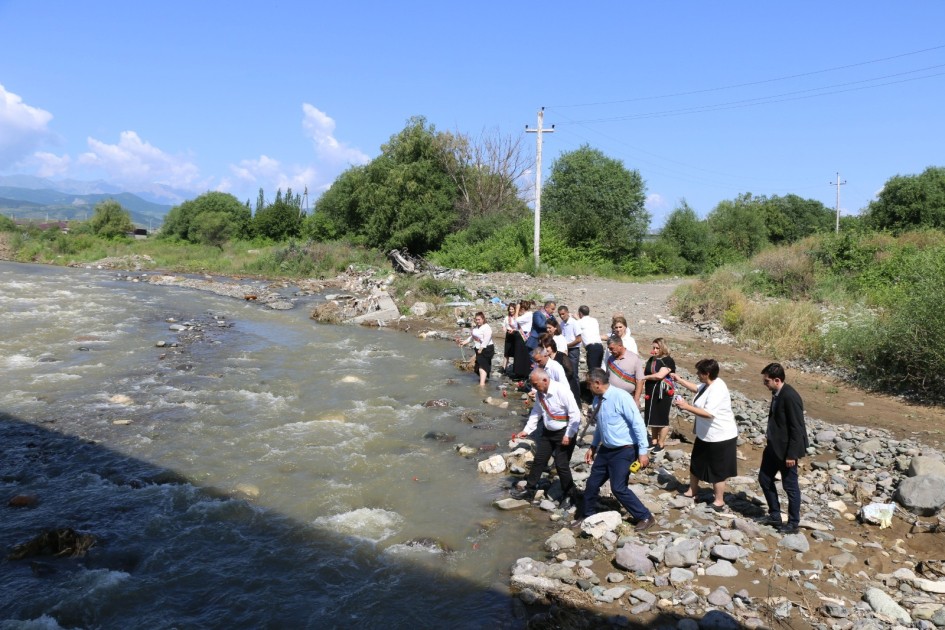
(268, 472)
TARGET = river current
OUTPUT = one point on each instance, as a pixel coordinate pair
(268, 471)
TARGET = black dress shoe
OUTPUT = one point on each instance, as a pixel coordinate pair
(787, 528)
(565, 504)
(770, 519)
(525, 494)
(645, 524)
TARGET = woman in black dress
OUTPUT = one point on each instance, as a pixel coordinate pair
(658, 391)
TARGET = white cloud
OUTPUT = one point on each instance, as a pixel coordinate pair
(136, 164)
(23, 128)
(270, 175)
(331, 157)
(656, 201)
(50, 164)
(320, 127)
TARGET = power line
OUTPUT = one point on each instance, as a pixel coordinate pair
(750, 83)
(774, 98)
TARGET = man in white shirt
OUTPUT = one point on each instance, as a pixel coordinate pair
(590, 336)
(571, 329)
(554, 369)
(559, 417)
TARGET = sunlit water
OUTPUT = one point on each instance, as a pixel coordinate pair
(274, 471)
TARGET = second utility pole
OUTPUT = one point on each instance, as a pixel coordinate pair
(838, 184)
(539, 132)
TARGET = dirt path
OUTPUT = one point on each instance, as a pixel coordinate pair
(646, 307)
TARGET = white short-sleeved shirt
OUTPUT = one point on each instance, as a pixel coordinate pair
(715, 399)
(481, 336)
(590, 330)
(525, 323)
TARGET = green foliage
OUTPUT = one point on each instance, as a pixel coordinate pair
(660, 257)
(909, 202)
(403, 198)
(691, 239)
(338, 212)
(786, 272)
(490, 243)
(596, 202)
(212, 228)
(869, 301)
(790, 218)
(110, 220)
(181, 219)
(313, 259)
(7, 224)
(738, 228)
(280, 220)
(902, 346)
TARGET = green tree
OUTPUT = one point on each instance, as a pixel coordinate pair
(908, 202)
(180, 220)
(280, 220)
(596, 202)
(403, 198)
(213, 228)
(110, 219)
(691, 237)
(790, 218)
(337, 213)
(738, 228)
(7, 224)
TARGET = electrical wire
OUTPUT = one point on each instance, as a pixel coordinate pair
(751, 83)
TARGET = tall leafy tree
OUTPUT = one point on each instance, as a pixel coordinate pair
(281, 219)
(110, 219)
(690, 235)
(791, 218)
(403, 198)
(597, 202)
(910, 201)
(738, 227)
(180, 219)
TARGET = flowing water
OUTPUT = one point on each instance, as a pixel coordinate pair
(266, 472)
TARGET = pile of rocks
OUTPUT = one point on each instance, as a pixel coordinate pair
(839, 572)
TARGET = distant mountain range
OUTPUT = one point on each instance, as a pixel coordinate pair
(27, 197)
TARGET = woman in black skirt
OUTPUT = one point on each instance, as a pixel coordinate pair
(658, 393)
(713, 455)
(480, 338)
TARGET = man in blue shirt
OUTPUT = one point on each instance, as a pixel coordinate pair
(619, 440)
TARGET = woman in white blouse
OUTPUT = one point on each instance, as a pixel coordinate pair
(714, 457)
(481, 339)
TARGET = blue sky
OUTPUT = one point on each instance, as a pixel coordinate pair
(236, 95)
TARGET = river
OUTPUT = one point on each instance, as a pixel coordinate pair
(268, 471)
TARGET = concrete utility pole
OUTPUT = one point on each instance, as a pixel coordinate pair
(539, 132)
(838, 184)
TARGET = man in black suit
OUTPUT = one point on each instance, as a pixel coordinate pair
(787, 443)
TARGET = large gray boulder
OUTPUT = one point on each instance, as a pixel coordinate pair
(923, 495)
(683, 554)
(883, 604)
(924, 465)
(632, 557)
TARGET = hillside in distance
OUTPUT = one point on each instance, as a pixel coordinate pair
(42, 204)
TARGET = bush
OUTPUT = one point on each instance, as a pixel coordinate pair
(785, 271)
(902, 346)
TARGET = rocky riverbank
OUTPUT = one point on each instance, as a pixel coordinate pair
(864, 558)
(849, 567)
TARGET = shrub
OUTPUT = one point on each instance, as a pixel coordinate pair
(787, 271)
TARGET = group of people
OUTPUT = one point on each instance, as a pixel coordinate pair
(546, 351)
